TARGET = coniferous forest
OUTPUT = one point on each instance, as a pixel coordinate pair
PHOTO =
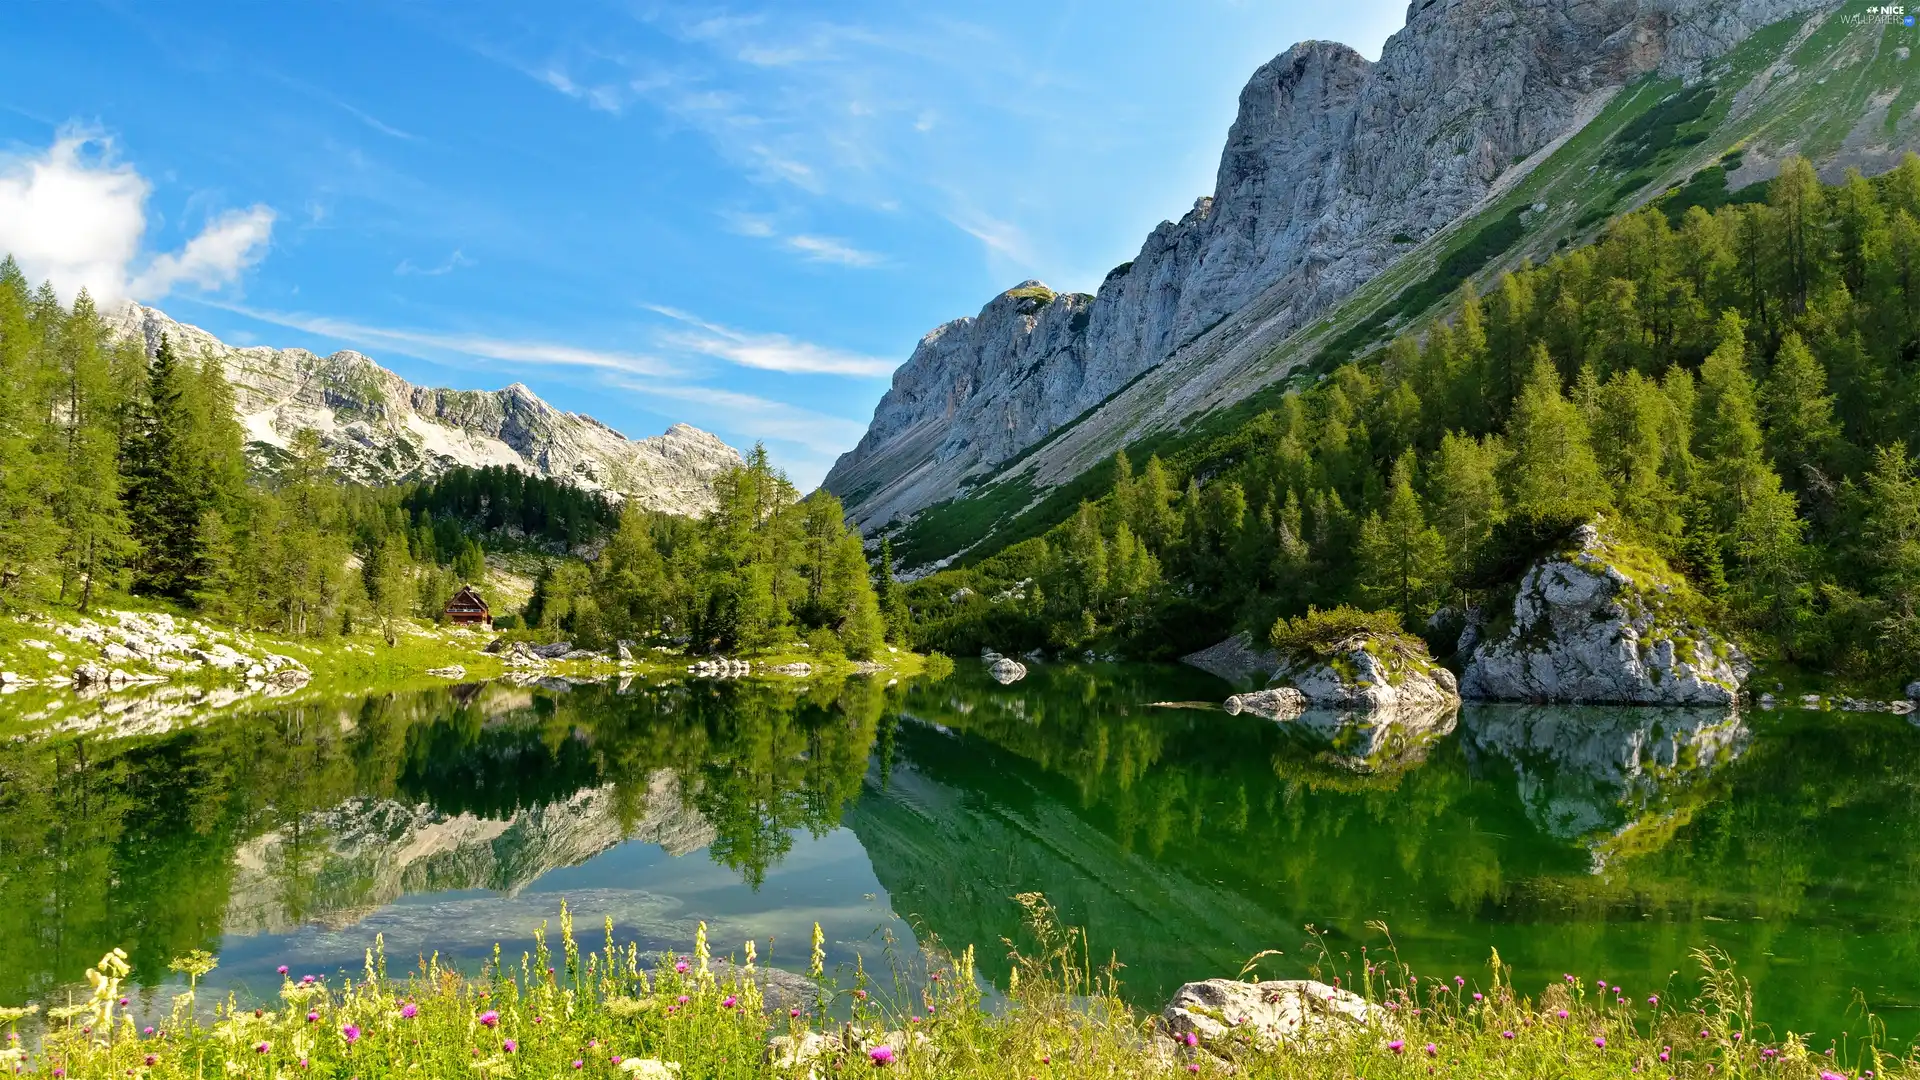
(1737, 390)
(125, 474)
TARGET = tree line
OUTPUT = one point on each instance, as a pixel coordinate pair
(1737, 392)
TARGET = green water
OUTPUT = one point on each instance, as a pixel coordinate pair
(1607, 843)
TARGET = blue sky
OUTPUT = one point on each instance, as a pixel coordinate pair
(742, 218)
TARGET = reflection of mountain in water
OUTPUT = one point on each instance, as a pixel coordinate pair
(1614, 776)
(335, 866)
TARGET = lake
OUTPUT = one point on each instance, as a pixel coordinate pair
(1606, 843)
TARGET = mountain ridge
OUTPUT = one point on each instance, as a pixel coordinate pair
(379, 428)
(1486, 133)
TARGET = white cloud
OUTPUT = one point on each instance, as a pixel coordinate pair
(453, 262)
(1000, 237)
(430, 345)
(605, 98)
(827, 249)
(229, 245)
(75, 216)
(762, 417)
(758, 225)
(768, 352)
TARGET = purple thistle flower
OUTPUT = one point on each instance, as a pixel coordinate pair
(1397, 1046)
(151, 1060)
(1192, 1039)
(1654, 1000)
(615, 1059)
(509, 1046)
(681, 967)
(1663, 1057)
(282, 969)
(1600, 1041)
(306, 979)
(263, 1048)
(489, 1018)
(1476, 996)
(578, 1063)
(146, 1031)
(794, 1012)
(730, 1002)
(1825, 1075)
(1506, 1034)
(682, 999)
(881, 1055)
(351, 1033)
(1432, 1050)
(1459, 981)
(1193, 1067)
(1561, 1013)
(313, 1018)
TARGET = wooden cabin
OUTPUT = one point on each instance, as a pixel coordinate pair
(467, 608)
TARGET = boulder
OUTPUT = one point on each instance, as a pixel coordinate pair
(1368, 671)
(289, 678)
(1269, 1013)
(1006, 671)
(1600, 622)
(1237, 660)
(497, 646)
(1279, 703)
(623, 651)
(551, 652)
(90, 674)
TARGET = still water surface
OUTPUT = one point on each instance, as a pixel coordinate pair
(1602, 842)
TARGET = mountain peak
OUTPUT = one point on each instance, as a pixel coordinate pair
(380, 429)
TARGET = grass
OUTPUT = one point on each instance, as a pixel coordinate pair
(613, 1012)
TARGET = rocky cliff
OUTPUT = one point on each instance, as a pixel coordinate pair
(1335, 169)
(379, 428)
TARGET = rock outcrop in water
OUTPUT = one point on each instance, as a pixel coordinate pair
(1331, 166)
(1604, 623)
(380, 429)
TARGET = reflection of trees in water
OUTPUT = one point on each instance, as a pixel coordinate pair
(132, 842)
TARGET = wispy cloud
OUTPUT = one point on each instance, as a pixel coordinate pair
(820, 249)
(453, 262)
(1002, 238)
(765, 418)
(430, 345)
(605, 97)
(829, 250)
(767, 352)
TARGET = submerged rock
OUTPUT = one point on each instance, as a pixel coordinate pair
(1604, 623)
(1269, 1013)
(1368, 671)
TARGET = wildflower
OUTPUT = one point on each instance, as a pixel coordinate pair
(1432, 1050)
(151, 1060)
(123, 1003)
(1825, 1075)
(489, 1018)
(351, 1034)
(282, 969)
(306, 980)
(509, 1046)
(262, 1048)
(615, 1059)
(859, 995)
(1193, 1039)
(1703, 1034)
(730, 1002)
(1459, 981)
(1600, 1041)
(1736, 1036)
(146, 1031)
(313, 1018)
(304, 1065)
(409, 1010)
(1569, 977)
(1477, 997)
(681, 967)
(1506, 1034)
(682, 999)
(1663, 1057)
(59, 1072)
(1654, 1000)
(577, 1063)
(794, 1012)
(881, 1055)
(1397, 1046)
(1193, 1067)
(1561, 1013)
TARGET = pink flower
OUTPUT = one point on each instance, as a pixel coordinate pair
(1663, 1057)
(681, 967)
(1654, 1000)
(1397, 1046)
(1600, 1041)
(1431, 1050)
(306, 979)
(682, 999)
(1561, 1013)
(1459, 981)
(1192, 1039)
(282, 969)
(881, 1055)
(489, 1018)
(262, 1048)
(146, 1031)
(577, 1063)
(509, 1046)
(1736, 1036)
(1193, 1067)
(409, 1010)
(730, 1002)
(313, 1018)
(351, 1033)
(794, 1012)
(1825, 1075)
(1477, 997)
(1506, 1034)
(615, 1059)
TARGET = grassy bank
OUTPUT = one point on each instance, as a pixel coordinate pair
(613, 1012)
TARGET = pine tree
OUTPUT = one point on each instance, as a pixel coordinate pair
(1554, 475)
(92, 525)
(1892, 546)
(1463, 496)
(390, 585)
(1800, 428)
(1403, 560)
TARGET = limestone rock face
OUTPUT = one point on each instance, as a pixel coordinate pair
(1588, 628)
(1268, 1012)
(1365, 674)
(1328, 160)
(380, 429)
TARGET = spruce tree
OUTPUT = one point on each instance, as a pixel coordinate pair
(1554, 475)
(1403, 560)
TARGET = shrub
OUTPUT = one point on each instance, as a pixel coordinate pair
(1321, 633)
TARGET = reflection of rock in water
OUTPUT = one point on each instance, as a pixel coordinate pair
(1374, 740)
(335, 866)
(1604, 773)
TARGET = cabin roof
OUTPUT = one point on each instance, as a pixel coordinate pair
(467, 599)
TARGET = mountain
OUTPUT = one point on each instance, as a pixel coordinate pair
(1352, 197)
(381, 429)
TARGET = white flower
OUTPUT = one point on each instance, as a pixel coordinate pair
(651, 1069)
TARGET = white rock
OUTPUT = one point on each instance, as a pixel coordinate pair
(1006, 671)
(1269, 1013)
